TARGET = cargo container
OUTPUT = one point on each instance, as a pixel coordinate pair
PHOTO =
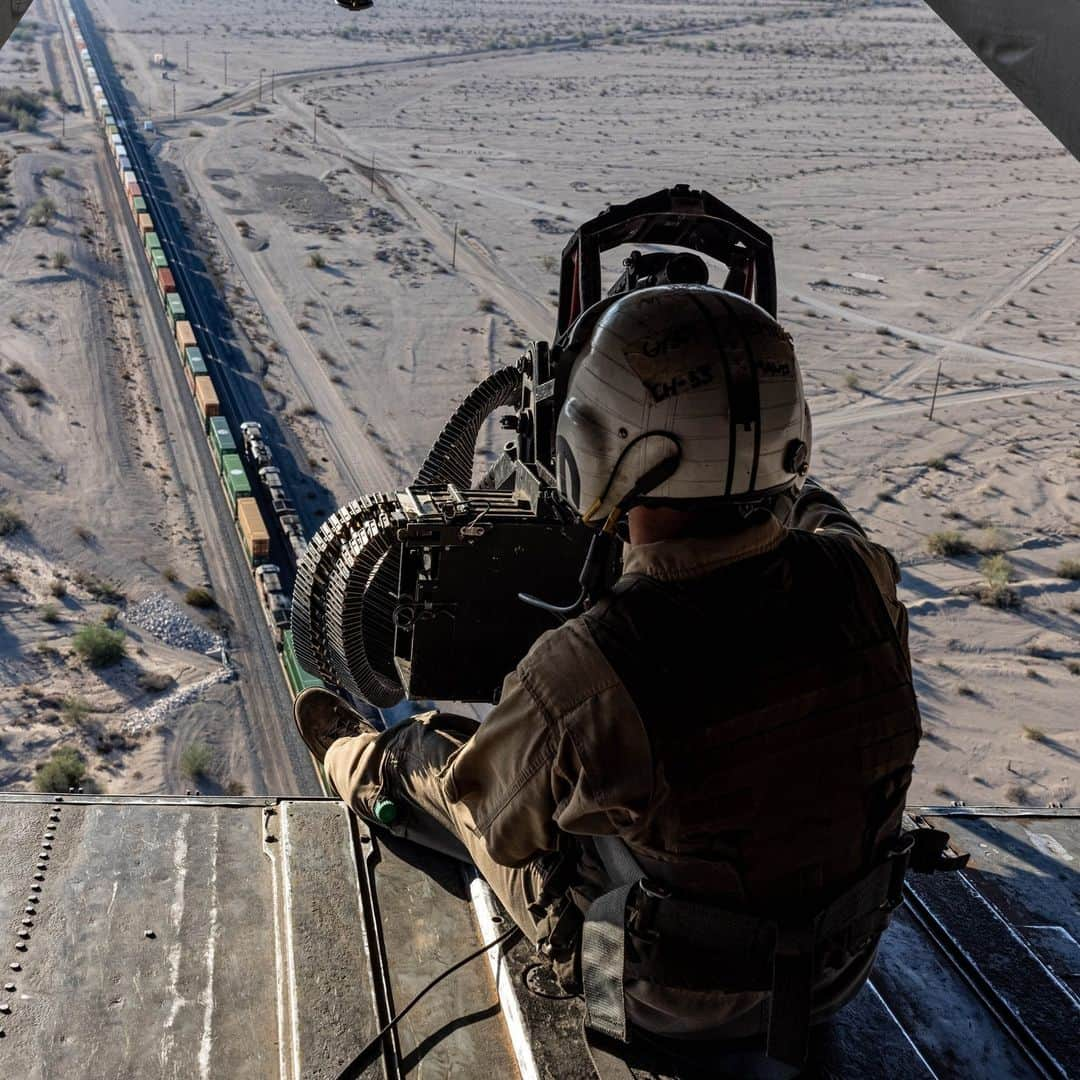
(206, 396)
(132, 189)
(185, 336)
(115, 140)
(194, 367)
(152, 242)
(146, 225)
(235, 478)
(221, 438)
(158, 259)
(166, 283)
(252, 530)
(128, 177)
(138, 205)
(174, 308)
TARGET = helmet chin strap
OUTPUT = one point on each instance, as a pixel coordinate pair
(598, 558)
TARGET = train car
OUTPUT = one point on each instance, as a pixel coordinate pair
(207, 398)
(138, 206)
(174, 308)
(166, 283)
(153, 243)
(255, 448)
(146, 225)
(221, 438)
(253, 533)
(297, 677)
(235, 478)
(158, 259)
(194, 367)
(132, 191)
(185, 336)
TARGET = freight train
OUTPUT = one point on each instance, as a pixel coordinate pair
(198, 366)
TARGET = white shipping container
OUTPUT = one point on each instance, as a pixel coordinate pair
(129, 177)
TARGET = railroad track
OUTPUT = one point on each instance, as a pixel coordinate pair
(283, 763)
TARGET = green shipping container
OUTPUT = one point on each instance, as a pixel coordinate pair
(221, 438)
(152, 242)
(235, 477)
(139, 205)
(159, 258)
(299, 679)
(194, 359)
(175, 307)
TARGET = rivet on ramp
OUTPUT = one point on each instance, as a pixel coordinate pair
(20, 946)
(5, 1008)
(28, 922)
(35, 888)
(46, 847)
(149, 934)
(24, 934)
(9, 987)
(43, 866)
(15, 967)
(38, 877)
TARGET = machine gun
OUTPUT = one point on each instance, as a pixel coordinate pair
(431, 592)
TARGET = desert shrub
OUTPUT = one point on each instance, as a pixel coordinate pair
(305, 409)
(75, 709)
(966, 691)
(42, 213)
(155, 681)
(851, 381)
(1073, 667)
(20, 108)
(996, 569)
(1017, 794)
(55, 172)
(58, 588)
(99, 588)
(1034, 734)
(60, 260)
(196, 759)
(991, 540)
(938, 463)
(99, 646)
(198, 597)
(487, 306)
(235, 788)
(49, 613)
(1070, 569)
(316, 260)
(949, 543)
(10, 519)
(65, 769)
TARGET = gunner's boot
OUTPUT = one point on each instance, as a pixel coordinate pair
(322, 718)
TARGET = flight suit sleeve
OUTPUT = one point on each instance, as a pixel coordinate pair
(818, 510)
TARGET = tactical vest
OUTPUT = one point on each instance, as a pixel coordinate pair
(778, 702)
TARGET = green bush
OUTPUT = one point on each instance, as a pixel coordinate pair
(10, 519)
(948, 543)
(65, 769)
(99, 646)
(200, 598)
(196, 759)
(49, 613)
(42, 213)
(996, 569)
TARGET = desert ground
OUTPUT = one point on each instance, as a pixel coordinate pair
(923, 222)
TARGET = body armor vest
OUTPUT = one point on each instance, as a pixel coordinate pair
(779, 706)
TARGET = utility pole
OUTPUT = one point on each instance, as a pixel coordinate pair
(272, 75)
(174, 103)
(373, 173)
(260, 84)
(187, 57)
(315, 124)
(63, 119)
(453, 255)
(933, 400)
(225, 53)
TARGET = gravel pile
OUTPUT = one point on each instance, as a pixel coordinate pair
(160, 711)
(159, 616)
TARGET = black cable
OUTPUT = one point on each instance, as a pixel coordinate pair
(363, 1059)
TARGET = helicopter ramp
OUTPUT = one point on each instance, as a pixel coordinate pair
(271, 938)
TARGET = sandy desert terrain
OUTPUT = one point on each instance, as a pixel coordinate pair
(923, 222)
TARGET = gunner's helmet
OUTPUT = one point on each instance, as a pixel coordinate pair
(680, 395)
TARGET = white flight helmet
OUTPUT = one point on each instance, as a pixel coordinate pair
(681, 395)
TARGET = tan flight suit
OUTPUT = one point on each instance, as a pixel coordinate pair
(565, 755)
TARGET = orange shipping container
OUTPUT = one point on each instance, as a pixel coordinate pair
(185, 336)
(146, 224)
(206, 396)
(252, 529)
(133, 190)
